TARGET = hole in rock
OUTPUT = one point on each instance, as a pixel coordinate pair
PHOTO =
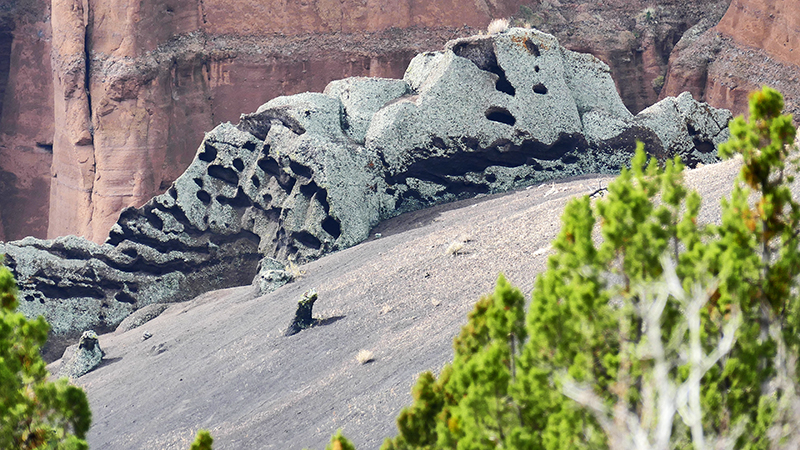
(536, 68)
(569, 159)
(256, 182)
(539, 88)
(532, 47)
(241, 200)
(238, 164)
(483, 55)
(204, 197)
(332, 227)
(224, 173)
(267, 199)
(124, 297)
(307, 239)
(300, 170)
(270, 167)
(249, 146)
(309, 189)
(45, 147)
(198, 182)
(173, 192)
(491, 178)
(208, 154)
(497, 114)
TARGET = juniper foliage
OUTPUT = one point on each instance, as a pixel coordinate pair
(34, 412)
(648, 330)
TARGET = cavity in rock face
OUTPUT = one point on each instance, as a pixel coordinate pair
(312, 173)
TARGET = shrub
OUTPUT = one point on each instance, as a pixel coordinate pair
(34, 413)
(664, 334)
(203, 441)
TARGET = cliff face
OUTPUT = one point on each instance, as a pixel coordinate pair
(756, 43)
(160, 72)
(134, 84)
(26, 119)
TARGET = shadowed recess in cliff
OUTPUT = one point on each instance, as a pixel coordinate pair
(6, 39)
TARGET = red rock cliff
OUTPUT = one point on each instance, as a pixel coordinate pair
(134, 84)
(756, 43)
(159, 72)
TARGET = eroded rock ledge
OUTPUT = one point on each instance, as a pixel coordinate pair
(312, 173)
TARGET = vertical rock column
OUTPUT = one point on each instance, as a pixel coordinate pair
(73, 167)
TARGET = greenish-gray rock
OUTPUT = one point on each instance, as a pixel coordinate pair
(313, 173)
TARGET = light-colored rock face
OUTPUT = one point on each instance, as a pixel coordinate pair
(313, 173)
(127, 128)
(163, 71)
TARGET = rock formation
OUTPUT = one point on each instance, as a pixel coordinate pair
(81, 358)
(756, 43)
(312, 173)
(133, 84)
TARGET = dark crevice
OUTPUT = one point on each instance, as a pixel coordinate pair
(256, 182)
(300, 170)
(152, 218)
(241, 200)
(271, 167)
(238, 164)
(539, 88)
(482, 53)
(307, 239)
(533, 49)
(44, 147)
(502, 115)
(250, 145)
(204, 197)
(87, 54)
(54, 291)
(474, 159)
(225, 174)
(124, 297)
(332, 227)
(198, 182)
(208, 154)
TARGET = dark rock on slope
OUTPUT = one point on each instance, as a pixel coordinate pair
(312, 173)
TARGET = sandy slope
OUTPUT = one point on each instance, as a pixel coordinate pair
(221, 361)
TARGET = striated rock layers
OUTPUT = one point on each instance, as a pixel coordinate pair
(312, 173)
(134, 83)
(756, 43)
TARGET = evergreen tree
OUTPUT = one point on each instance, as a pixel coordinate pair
(655, 332)
(203, 441)
(34, 412)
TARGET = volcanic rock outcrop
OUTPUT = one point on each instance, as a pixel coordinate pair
(116, 117)
(312, 173)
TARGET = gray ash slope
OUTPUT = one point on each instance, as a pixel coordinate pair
(312, 173)
(221, 361)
